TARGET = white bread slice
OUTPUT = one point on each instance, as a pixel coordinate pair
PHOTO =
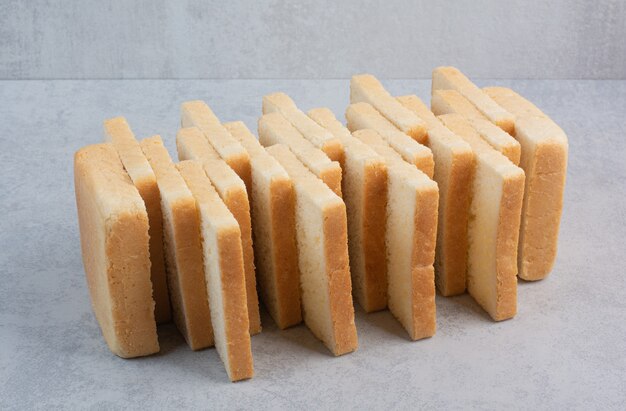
(449, 101)
(365, 88)
(364, 188)
(454, 171)
(445, 78)
(318, 136)
(364, 116)
(118, 132)
(322, 255)
(272, 203)
(183, 248)
(274, 128)
(198, 114)
(224, 274)
(191, 145)
(114, 240)
(411, 235)
(544, 159)
(493, 229)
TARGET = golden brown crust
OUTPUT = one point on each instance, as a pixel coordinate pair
(235, 313)
(237, 202)
(374, 222)
(423, 298)
(506, 247)
(338, 273)
(113, 225)
(282, 206)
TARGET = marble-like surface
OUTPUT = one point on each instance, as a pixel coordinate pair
(113, 39)
(566, 349)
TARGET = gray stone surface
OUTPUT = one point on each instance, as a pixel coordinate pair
(566, 349)
(311, 39)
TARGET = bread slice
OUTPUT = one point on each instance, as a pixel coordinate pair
(364, 188)
(274, 128)
(198, 114)
(544, 159)
(318, 136)
(322, 255)
(183, 248)
(411, 235)
(365, 88)
(114, 239)
(191, 145)
(363, 116)
(445, 78)
(498, 190)
(272, 201)
(498, 139)
(118, 132)
(447, 101)
(224, 274)
(454, 172)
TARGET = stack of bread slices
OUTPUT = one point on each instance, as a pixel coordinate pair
(400, 202)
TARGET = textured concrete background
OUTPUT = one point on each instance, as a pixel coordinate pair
(319, 39)
(565, 350)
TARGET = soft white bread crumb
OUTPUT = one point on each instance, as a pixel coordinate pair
(364, 116)
(323, 256)
(498, 139)
(183, 248)
(365, 88)
(445, 78)
(224, 273)
(544, 159)
(454, 171)
(364, 188)
(493, 228)
(274, 128)
(192, 145)
(198, 114)
(411, 235)
(272, 201)
(318, 136)
(118, 132)
(114, 240)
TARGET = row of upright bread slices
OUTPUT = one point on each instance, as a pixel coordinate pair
(381, 212)
(500, 165)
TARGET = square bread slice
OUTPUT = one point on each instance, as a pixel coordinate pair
(449, 101)
(318, 136)
(114, 239)
(322, 237)
(445, 78)
(411, 235)
(274, 128)
(544, 159)
(224, 274)
(118, 132)
(198, 114)
(365, 88)
(364, 188)
(191, 145)
(272, 201)
(183, 248)
(363, 116)
(454, 172)
(493, 229)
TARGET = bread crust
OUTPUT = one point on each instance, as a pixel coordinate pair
(113, 225)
